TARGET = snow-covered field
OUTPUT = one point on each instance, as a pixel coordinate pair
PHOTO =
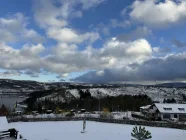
(95, 131)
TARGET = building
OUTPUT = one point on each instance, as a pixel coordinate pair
(20, 109)
(160, 111)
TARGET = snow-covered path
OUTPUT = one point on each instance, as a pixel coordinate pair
(95, 131)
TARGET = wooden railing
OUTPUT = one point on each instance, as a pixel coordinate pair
(12, 133)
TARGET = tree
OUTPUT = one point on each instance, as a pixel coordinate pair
(140, 133)
(106, 110)
(3, 111)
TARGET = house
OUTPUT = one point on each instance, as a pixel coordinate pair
(145, 109)
(20, 108)
(161, 111)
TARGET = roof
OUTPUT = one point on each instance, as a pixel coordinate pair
(22, 106)
(171, 108)
(145, 107)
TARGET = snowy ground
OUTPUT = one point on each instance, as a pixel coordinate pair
(3, 123)
(95, 131)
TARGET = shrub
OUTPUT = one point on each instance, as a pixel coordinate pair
(140, 133)
(106, 116)
(71, 114)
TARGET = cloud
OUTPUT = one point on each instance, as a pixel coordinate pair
(139, 32)
(158, 14)
(68, 35)
(14, 28)
(159, 50)
(116, 23)
(47, 14)
(65, 58)
(30, 35)
(105, 31)
(100, 73)
(25, 58)
(31, 73)
(138, 50)
(168, 68)
(55, 13)
(55, 20)
(178, 43)
(10, 73)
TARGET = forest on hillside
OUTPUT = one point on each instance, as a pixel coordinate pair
(86, 101)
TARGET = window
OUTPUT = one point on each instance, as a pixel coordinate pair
(166, 116)
(175, 116)
(167, 108)
(181, 109)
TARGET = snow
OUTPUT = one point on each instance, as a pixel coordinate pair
(94, 131)
(74, 92)
(121, 115)
(3, 123)
(145, 107)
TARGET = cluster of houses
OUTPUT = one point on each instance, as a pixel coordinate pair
(165, 111)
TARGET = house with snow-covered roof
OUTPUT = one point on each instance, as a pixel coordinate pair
(164, 111)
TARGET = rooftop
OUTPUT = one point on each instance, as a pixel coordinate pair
(171, 108)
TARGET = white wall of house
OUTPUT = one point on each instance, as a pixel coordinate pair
(171, 116)
(20, 109)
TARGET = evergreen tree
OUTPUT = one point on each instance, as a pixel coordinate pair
(140, 133)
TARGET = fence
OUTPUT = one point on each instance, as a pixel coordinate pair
(10, 133)
(104, 120)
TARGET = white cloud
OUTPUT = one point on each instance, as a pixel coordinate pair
(90, 3)
(31, 35)
(48, 14)
(68, 35)
(55, 20)
(14, 28)
(65, 58)
(136, 51)
(25, 58)
(158, 14)
(65, 75)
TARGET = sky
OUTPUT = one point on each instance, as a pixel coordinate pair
(93, 41)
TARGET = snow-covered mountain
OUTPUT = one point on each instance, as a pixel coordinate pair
(157, 94)
(64, 92)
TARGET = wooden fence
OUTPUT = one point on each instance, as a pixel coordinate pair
(104, 120)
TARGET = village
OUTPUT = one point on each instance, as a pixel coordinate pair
(170, 115)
